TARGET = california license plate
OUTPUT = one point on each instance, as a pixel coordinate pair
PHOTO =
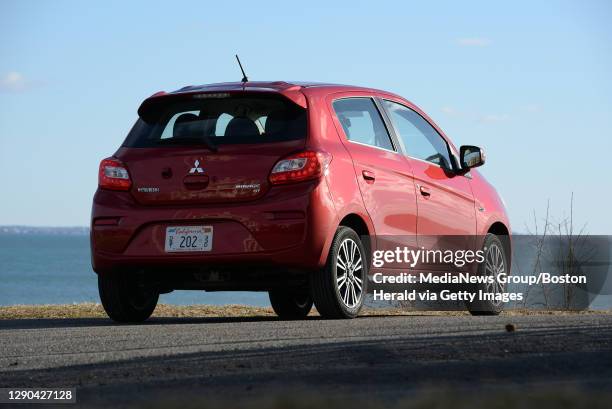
(188, 238)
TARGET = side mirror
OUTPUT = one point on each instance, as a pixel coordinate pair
(471, 156)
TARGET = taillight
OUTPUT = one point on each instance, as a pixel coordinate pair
(113, 175)
(301, 166)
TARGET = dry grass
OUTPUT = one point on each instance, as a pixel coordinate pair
(93, 310)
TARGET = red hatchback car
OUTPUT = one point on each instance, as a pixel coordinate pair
(279, 187)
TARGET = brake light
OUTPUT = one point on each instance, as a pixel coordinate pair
(113, 175)
(301, 166)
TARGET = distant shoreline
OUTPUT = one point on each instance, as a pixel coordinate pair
(45, 230)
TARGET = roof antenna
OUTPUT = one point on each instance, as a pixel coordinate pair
(244, 76)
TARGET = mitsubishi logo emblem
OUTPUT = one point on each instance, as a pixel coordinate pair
(196, 167)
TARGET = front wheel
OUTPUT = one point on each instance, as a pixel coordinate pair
(495, 265)
(125, 298)
(339, 289)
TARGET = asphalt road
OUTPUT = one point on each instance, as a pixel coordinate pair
(373, 357)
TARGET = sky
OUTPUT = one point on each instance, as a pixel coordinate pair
(530, 82)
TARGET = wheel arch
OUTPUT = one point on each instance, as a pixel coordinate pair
(501, 230)
(360, 226)
(355, 222)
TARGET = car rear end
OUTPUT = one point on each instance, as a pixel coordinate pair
(213, 190)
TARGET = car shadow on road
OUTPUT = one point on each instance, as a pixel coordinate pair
(40, 323)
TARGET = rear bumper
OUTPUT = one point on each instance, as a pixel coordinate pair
(287, 229)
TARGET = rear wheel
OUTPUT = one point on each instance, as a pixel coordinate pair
(339, 289)
(494, 266)
(125, 298)
(291, 304)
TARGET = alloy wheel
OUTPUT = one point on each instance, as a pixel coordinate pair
(349, 273)
(495, 266)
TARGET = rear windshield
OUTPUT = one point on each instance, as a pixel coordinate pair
(232, 119)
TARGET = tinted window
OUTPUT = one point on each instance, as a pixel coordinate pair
(225, 120)
(362, 122)
(421, 140)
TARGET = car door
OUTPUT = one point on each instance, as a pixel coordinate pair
(446, 213)
(384, 177)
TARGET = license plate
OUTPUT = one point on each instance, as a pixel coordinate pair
(188, 238)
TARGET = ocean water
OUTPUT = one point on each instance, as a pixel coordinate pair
(56, 269)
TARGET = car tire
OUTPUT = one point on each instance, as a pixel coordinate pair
(124, 298)
(339, 289)
(291, 304)
(496, 263)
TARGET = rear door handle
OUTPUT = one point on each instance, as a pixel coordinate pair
(424, 191)
(368, 175)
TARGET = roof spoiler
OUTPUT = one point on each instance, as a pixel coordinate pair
(292, 93)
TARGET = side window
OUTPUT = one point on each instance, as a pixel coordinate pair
(362, 122)
(221, 124)
(168, 130)
(421, 140)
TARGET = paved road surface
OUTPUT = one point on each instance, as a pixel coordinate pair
(383, 358)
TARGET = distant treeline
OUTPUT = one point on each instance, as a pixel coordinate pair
(63, 231)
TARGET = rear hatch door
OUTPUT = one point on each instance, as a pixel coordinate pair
(210, 150)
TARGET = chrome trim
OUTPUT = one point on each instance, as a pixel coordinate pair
(424, 161)
(372, 146)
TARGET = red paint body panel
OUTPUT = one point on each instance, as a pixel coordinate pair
(285, 226)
